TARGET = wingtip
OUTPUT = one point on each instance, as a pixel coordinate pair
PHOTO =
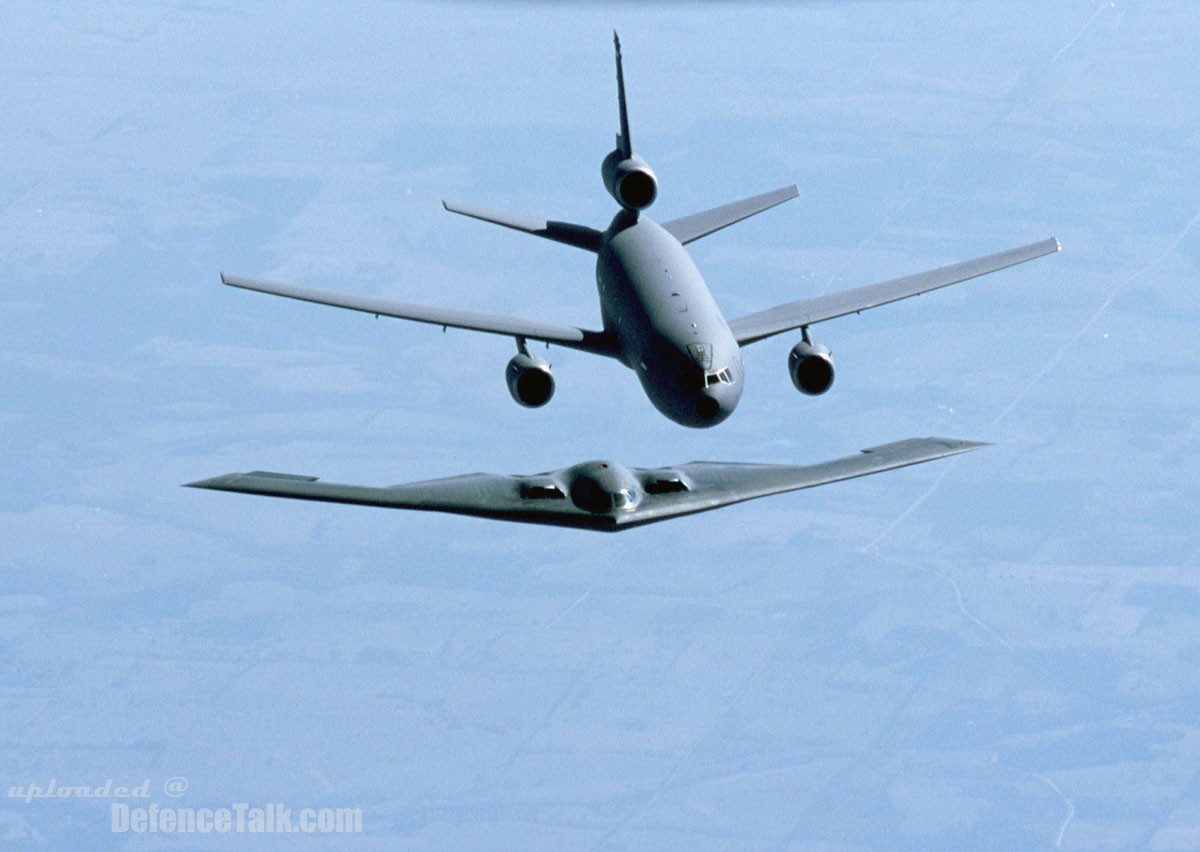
(215, 483)
(958, 445)
(224, 280)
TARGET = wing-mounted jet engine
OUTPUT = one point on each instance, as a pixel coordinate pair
(529, 379)
(811, 367)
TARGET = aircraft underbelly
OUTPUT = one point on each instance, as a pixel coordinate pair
(657, 285)
(655, 299)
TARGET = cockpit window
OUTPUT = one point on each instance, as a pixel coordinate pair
(721, 377)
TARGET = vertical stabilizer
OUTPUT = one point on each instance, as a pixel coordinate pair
(624, 145)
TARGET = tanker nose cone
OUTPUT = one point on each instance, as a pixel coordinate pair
(715, 403)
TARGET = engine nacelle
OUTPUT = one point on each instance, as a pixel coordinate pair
(529, 380)
(629, 180)
(811, 368)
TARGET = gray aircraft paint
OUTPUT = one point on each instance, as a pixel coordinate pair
(659, 317)
(596, 495)
(670, 332)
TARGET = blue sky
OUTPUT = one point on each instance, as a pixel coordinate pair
(998, 651)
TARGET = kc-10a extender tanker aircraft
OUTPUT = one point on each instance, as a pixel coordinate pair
(659, 317)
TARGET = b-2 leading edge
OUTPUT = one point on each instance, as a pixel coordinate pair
(658, 316)
(596, 495)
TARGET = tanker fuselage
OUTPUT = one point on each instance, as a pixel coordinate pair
(670, 331)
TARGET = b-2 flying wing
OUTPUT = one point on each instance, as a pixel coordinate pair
(596, 495)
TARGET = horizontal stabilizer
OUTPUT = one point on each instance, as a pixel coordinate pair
(580, 236)
(691, 228)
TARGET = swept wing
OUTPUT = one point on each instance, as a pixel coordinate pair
(543, 498)
(716, 484)
(505, 324)
(805, 312)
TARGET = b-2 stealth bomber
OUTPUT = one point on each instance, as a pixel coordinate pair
(597, 495)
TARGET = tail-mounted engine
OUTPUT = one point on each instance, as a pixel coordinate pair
(630, 180)
(811, 367)
(529, 379)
